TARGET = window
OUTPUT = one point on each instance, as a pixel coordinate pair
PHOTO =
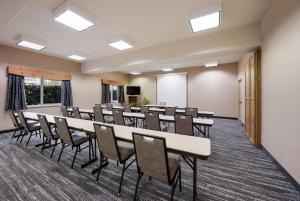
(114, 93)
(39, 91)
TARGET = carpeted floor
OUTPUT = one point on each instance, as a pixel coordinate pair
(235, 171)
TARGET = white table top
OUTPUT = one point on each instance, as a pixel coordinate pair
(187, 145)
(200, 121)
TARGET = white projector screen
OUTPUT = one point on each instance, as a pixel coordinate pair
(172, 89)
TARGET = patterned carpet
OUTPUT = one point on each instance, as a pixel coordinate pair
(235, 171)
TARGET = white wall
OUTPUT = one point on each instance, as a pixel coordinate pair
(280, 84)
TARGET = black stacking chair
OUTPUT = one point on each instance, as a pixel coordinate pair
(127, 108)
(153, 123)
(153, 160)
(98, 116)
(49, 134)
(17, 125)
(144, 109)
(184, 125)
(170, 111)
(29, 128)
(77, 114)
(109, 107)
(64, 111)
(119, 118)
(112, 149)
(67, 139)
(191, 112)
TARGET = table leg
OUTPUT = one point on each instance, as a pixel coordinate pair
(91, 160)
(194, 178)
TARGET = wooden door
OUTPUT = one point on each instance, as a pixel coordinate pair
(252, 98)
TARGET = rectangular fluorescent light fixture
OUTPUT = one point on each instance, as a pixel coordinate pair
(135, 73)
(168, 69)
(30, 42)
(121, 45)
(72, 16)
(76, 57)
(211, 64)
(206, 18)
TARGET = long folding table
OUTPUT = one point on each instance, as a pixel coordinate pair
(197, 122)
(154, 108)
(188, 146)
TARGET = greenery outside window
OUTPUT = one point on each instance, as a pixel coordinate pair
(114, 93)
(41, 92)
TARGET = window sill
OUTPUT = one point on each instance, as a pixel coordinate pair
(44, 105)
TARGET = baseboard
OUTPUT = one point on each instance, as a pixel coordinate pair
(283, 170)
(7, 131)
(222, 117)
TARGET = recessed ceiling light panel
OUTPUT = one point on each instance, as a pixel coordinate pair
(30, 42)
(211, 64)
(72, 16)
(206, 18)
(76, 57)
(134, 73)
(121, 45)
(167, 69)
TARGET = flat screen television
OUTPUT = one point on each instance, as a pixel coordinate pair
(133, 90)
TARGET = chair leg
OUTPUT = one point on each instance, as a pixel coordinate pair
(53, 149)
(21, 133)
(100, 167)
(77, 149)
(180, 179)
(121, 180)
(29, 139)
(137, 186)
(62, 148)
(25, 133)
(13, 134)
(44, 144)
(173, 190)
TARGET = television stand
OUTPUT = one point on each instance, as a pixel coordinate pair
(132, 101)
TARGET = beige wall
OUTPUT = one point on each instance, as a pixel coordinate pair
(86, 88)
(280, 84)
(212, 89)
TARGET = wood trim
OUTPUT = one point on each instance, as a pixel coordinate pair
(33, 72)
(113, 82)
(257, 60)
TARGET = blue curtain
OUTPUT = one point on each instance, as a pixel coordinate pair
(105, 94)
(121, 97)
(15, 97)
(66, 93)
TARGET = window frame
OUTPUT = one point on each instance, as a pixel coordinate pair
(42, 95)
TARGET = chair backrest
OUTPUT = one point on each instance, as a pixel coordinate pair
(98, 114)
(118, 117)
(144, 109)
(98, 105)
(151, 156)
(63, 130)
(107, 142)
(45, 126)
(192, 111)
(127, 108)
(152, 121)
(64, 111)
(14, 119)
(76, 113)
(170, 111)
(23, 121)
(184, 125)
(109, 107)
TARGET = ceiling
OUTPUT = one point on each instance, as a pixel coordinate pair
(159, 29)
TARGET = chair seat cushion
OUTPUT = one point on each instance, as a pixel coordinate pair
(129, 123)
(126, 150)
(79, 138)
(34, 126)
